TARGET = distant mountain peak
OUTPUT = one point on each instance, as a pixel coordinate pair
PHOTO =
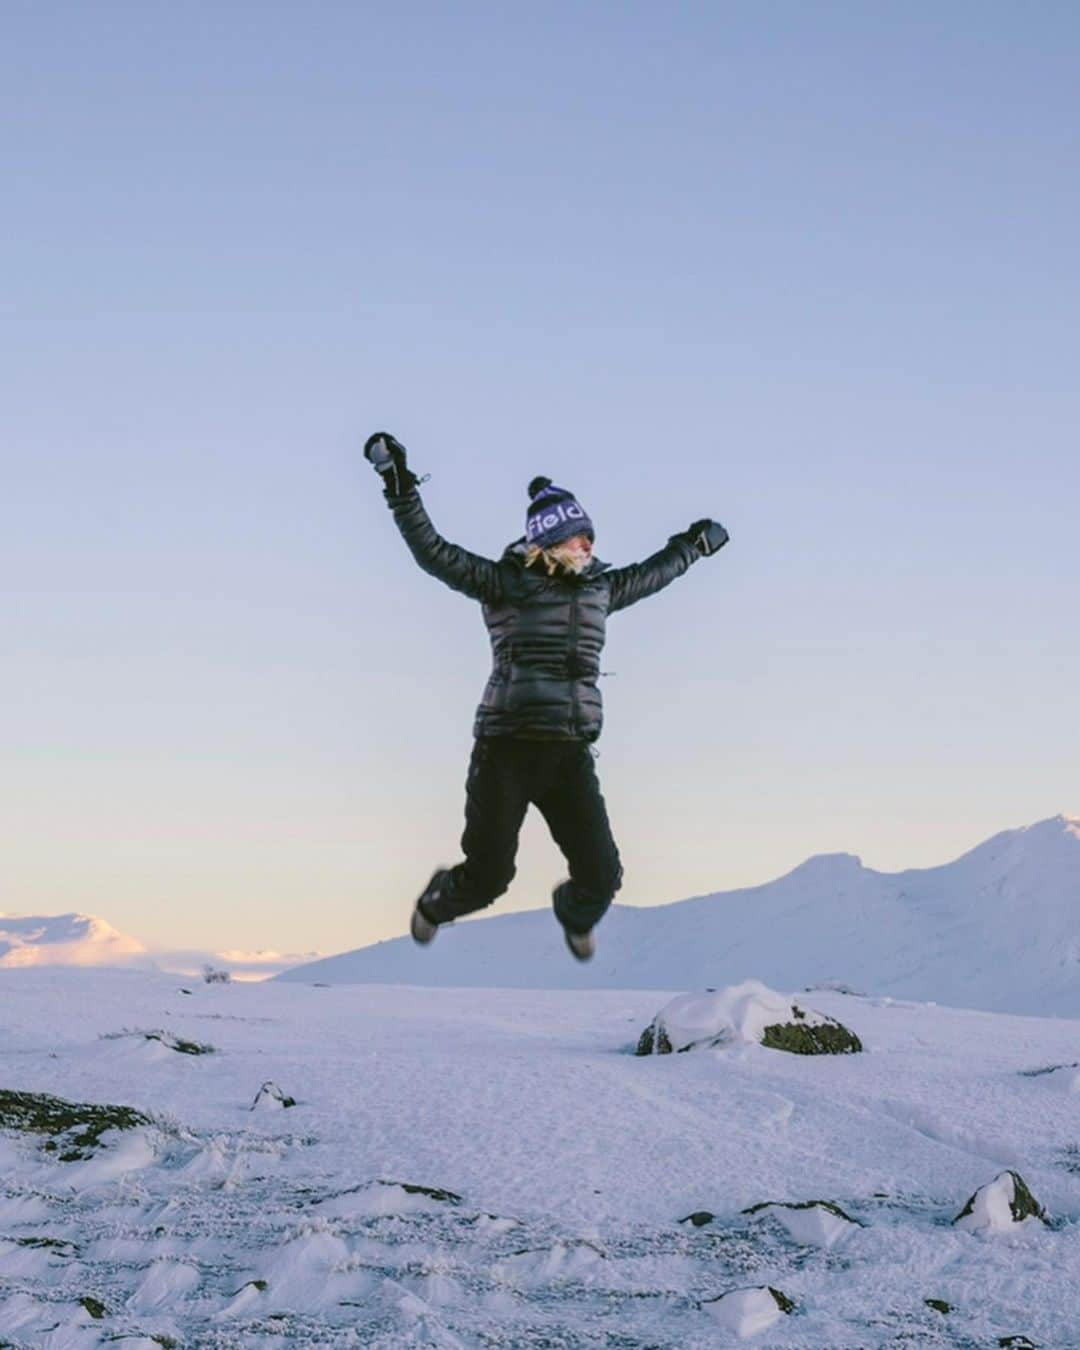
(828, 865)
(1058, 822)
(65, 940)
(1054, 830)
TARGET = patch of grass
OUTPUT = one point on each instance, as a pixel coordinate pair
(178, 1043)
(165, 1038)
(166, 1342)
(48, 1244)
(799, 1038)
(653, 1041)
(74, 1129)
(432, 1192)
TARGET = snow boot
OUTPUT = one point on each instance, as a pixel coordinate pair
(582, 946)
(422, 928)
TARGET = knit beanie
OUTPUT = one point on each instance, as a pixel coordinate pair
(554, 514)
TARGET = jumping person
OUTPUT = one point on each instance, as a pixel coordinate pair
(545, 603)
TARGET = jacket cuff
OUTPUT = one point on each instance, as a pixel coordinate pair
(685, 546)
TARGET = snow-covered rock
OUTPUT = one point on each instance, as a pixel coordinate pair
(814, 1223)
(748, 1311)
(376, 1198)
(1063, 1077)
(181, 1045)
(747, 1012)
(271, 1098)
(999, 1205)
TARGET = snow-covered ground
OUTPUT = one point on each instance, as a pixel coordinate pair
(559, 1166)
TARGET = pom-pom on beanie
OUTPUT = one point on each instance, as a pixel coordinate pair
(554, 514)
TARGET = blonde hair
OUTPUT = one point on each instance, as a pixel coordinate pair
(555, 559)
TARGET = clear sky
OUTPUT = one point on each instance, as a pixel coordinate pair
(807, 268)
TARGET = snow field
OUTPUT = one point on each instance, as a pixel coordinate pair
(495, 1168)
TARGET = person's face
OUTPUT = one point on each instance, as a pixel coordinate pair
(581, 545)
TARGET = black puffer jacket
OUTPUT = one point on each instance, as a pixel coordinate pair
(547, 632)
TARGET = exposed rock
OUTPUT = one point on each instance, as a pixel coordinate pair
(938, 1305)
(699, 1218)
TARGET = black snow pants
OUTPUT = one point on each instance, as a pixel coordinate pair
(506, 774)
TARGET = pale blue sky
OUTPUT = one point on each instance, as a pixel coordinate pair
(811, 269)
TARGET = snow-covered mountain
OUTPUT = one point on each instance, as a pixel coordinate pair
(998, 928)
(65, 940)
(84, 940)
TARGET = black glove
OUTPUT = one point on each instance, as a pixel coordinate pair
(387, 455)
(707, 536)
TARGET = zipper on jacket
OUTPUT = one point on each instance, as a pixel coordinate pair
(572, 662)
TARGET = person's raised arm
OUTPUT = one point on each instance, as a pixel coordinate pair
(631, 584)
(477, 577)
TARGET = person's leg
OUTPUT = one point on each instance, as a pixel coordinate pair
(496, 799)
(574, 809)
